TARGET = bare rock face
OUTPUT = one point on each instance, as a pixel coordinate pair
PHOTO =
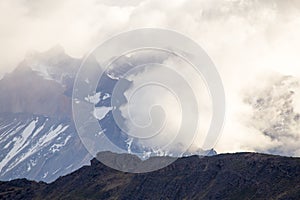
(227, 176)
(40, 85)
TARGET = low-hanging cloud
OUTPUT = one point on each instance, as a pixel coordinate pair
(173, 94)
(245, 39)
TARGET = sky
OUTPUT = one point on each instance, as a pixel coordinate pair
(252, 43)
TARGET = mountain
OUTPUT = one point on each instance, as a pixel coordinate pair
(224, 176)
(37, 133)
(38, 138)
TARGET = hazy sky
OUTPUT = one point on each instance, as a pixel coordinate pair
(247, 39)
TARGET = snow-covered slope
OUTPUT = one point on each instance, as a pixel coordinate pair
(37, 136)
(38, 139)
(38, 147)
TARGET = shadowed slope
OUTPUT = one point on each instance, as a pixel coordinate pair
(227, 176)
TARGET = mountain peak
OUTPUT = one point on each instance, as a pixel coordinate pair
(52, 52)
(55, 50)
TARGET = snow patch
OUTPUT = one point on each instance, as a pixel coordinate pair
(52, 134)
(112, 76)
(56, 147)
(76, 101)
(45, 175)
(56, 171)
(69, 166)
(94, 99)
(7, 145)
(129, 143)
(28, 167)
(100, 112)
(42, 71)
(105, 96)
(38, 130)
(18, 144)
(48, 137)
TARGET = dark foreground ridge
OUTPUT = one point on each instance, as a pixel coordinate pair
(225, 176)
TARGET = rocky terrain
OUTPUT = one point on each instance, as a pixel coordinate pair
(37, 133)
(225, 176)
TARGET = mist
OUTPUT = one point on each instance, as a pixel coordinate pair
(247, 40)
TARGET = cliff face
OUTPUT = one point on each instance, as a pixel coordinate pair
(227, 176)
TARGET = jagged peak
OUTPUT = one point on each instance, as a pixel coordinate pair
(57, 50)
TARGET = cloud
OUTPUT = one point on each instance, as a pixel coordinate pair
(160, 97)
(244, 38)
(39, 25)
(274, 115)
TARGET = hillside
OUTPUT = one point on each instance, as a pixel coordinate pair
(225, 176)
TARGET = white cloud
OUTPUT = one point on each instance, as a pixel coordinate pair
(244, 38)
(172, 96)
